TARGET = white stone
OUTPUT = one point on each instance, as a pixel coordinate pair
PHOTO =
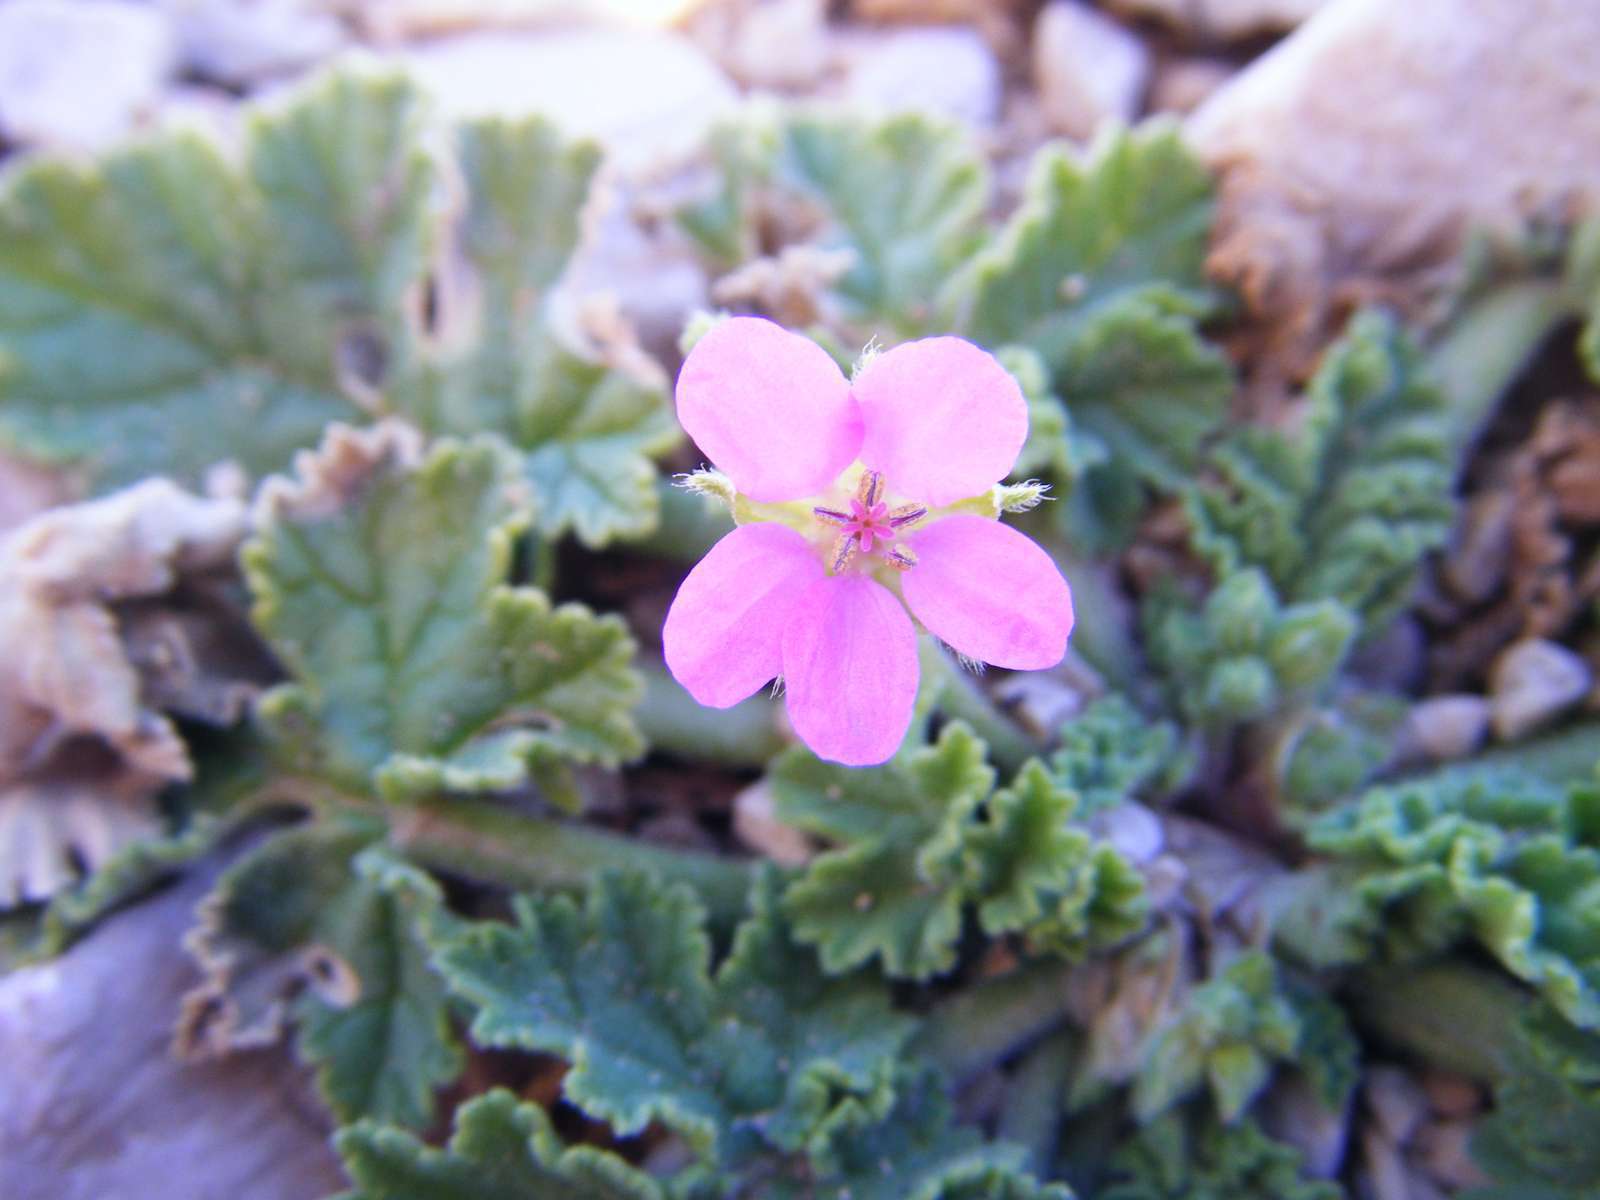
(77, 76)
(1369, 143)
(244, 41)
(1532, 683)
(649, 98)
(783, 44)
(948, 71)
(1448, 727)
(755, 822)
(1088, 68)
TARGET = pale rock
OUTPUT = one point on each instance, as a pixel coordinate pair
(387, 22)
(78, 76)
(1222, 20)
(94, 1105)
(776, 44)
(1088, 68)
(201, 108)
(241, 42)
(1446, 728)
(1444, 1150)
(1533, 682)
(1181, 85)
(649, 98)
(756, 823)
(652, 275)
(1396, 1101)
(1363, 149)
(1041, 702)
(948, 71)
(1295, 1112)
(1133, 830)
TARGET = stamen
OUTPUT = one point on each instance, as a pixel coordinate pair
(844, 549)
(832, 516)
(900, 557)
(871, 484)
(906, 514)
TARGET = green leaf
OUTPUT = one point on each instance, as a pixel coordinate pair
(1229, 1033)
(1495, 857)
(501, 1148)
(167, 308)
(586, 424)
(907, 194)
(878, 896)
(1146, 385)
(1179, 1158)
(1132, 222)
(1101, 272)
(927, 835)
(1539, 1140)
(912, 1152)
(416, 668)
(751, 1057)
(1245, 654)
(320, 904)
(1039, 872)
(1346, 506)
(903, 197)
(1110, 754)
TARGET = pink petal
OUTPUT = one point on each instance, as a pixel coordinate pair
(990, 592)
(723, 636)
(850, 670)
(769, 408)
(943, 419)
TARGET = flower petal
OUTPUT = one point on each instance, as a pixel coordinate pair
(943, 419)
(723, 637)
(850, 670)
(990, 592)
(769, 408)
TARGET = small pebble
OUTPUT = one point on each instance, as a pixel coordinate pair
(1088, 68)
(1532, 683)
(1446, 728)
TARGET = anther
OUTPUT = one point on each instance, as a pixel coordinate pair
(906, 514)
(899, 556)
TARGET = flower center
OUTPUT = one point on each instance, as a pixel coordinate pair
(870, 527)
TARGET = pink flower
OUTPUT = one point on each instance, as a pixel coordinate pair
(857, 501)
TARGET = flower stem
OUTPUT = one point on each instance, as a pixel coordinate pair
(1450, 1014)
(690, 525)
(962, 699)
(1032, 1111)
(491, 843)
(990, 1021)
(745, 735)
(1488, 346)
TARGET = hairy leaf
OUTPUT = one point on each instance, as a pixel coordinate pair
(1245, 654)
(1345, 506)
(1497, 858)
(585, 423)
(318, 905)
(1179, 1158)
(501, 1148)
(751, 1057)
(416, 668)
(1230, 1032)
(927, 835)
(912, 1152)
(167, 308)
